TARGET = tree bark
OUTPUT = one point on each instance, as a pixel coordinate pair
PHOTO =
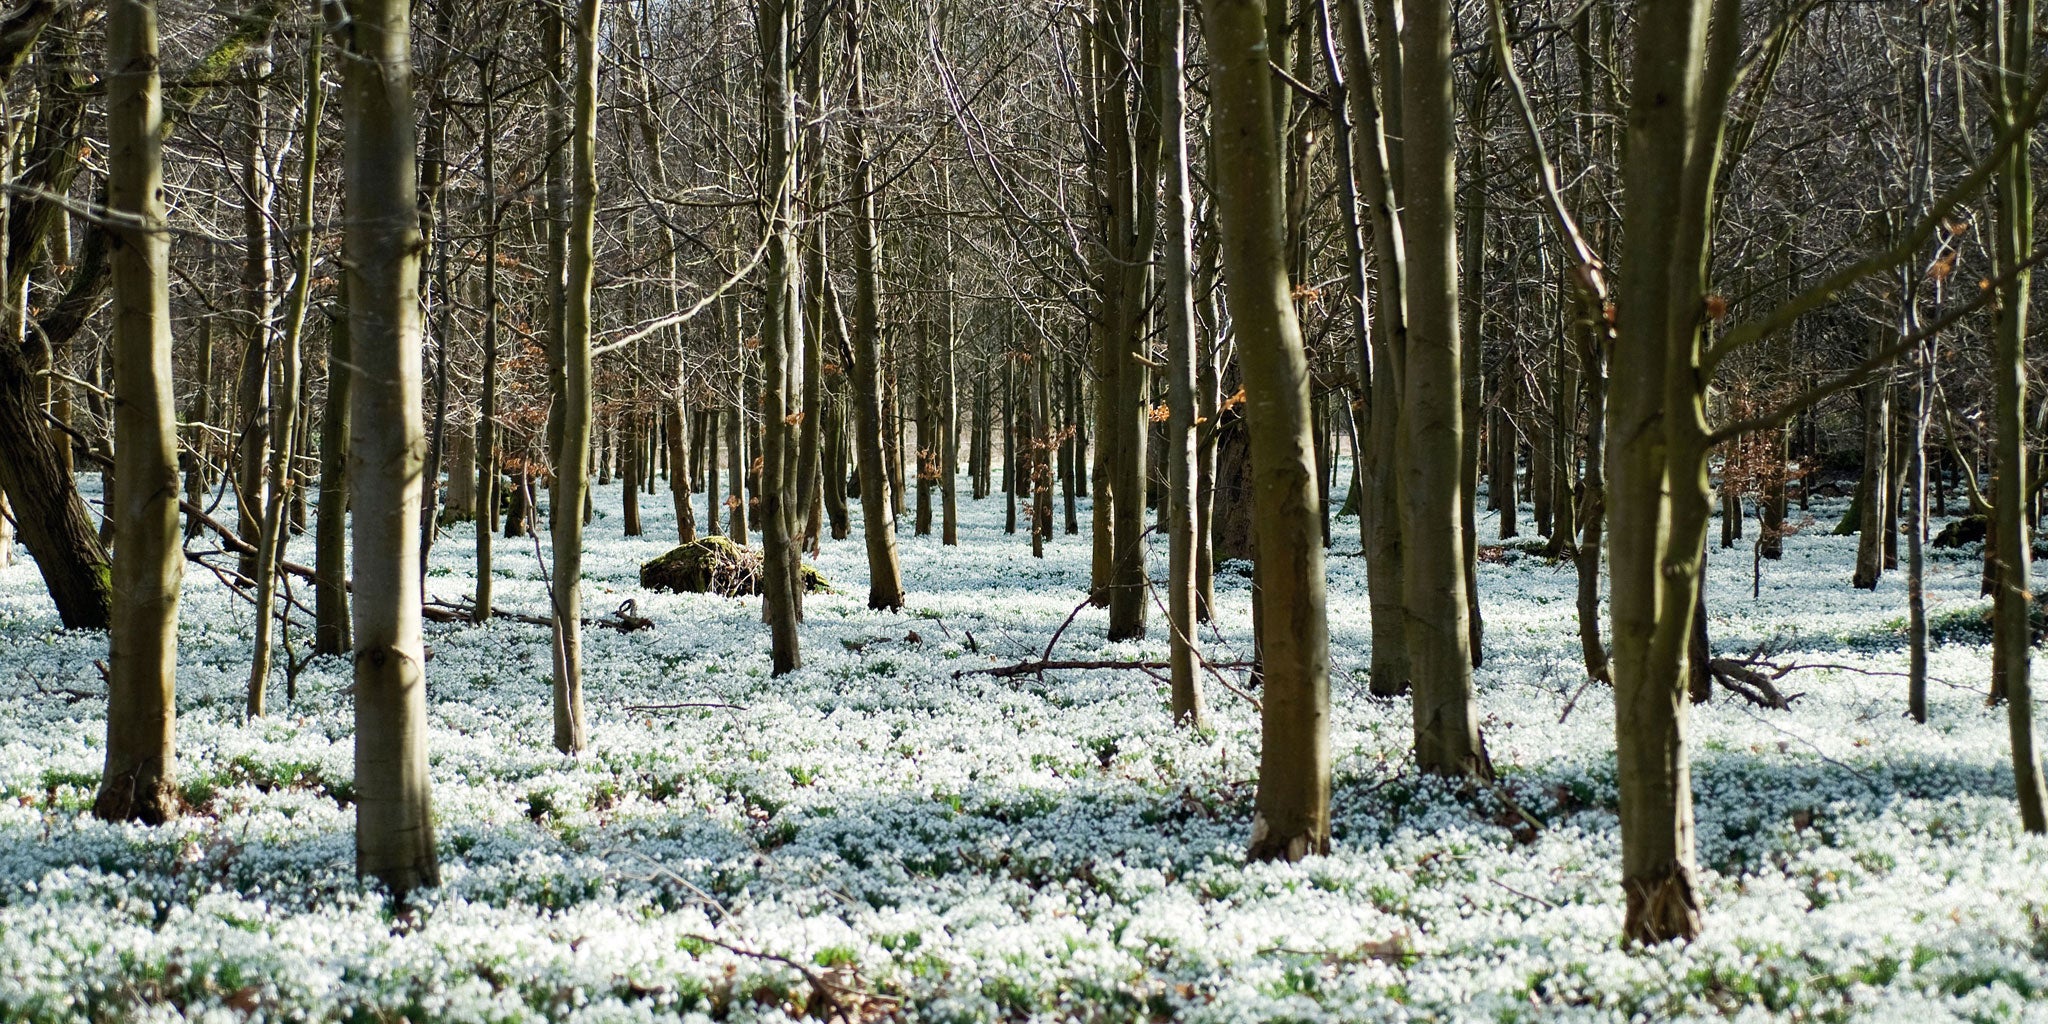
(2013, 240)
(1431, 449)
(1165, 26)
(781, 345)
(284, 427)
(394, 812)
(140, 778)
(1292, 816)
(885, 572)
(331, 627)
(572, 461)
(1657, 460)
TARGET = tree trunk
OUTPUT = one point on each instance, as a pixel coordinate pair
(2012, 603)
(1432, 429)
(1292, 816)
(885, 573)
(1873, 487)
(394, 813)
(1657, 462)
(1373, 101)
(1164, 29)
(331, 629)
(140, 778)
(572, 461)
(678, 459)
(781, 346)
(285, 416)
(629, 475)
(253, 390)
(50, 516)
(487, 456)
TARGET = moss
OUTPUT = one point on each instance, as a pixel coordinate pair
(716, 565)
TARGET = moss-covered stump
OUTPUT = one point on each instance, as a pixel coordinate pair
(715, 565)
(1967, 530)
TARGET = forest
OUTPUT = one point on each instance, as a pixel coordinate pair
(1063, 510)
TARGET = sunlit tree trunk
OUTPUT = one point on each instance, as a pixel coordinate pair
(394, 812)
(1432, 414)
(487, 458)
(253, 438)
(285, 414)
(781, 342)
(572, 461)
(2013, 241)
(878, 524)
(140, 778)
(1292, 811)
(1659, 496)
(1165, 28)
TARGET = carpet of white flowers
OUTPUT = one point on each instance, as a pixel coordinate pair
(969, 848)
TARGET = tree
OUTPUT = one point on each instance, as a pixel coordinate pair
(285, 416)
(1432, 412)
(140, 780)
(781, 343)
(878, 524)
(1292, 812)
(1165, 27)
(1656, 460)
(572, 456)
(2011, 26)
(394, 808)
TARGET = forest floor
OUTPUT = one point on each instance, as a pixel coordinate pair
(967, 848)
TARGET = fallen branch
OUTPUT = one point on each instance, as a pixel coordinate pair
(1741, 677)
(840, 986)
(679, 707)
(1043, 665)
(624, 620)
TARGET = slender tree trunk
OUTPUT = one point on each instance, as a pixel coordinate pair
(487, 457)
(781, 345)
(1382, 348)
(201, 441)
(878, 524)
(1135, 176)
(1432, 413)
(1165, 25)
(2012, 602)
(394, 813)
(1873, 487)
(679, 458)
(140, 779)
(1660, 495)
(331, 629)
(1470, 238)
(253, 391)
(572, 463)
(285, 415)
(1292, 816)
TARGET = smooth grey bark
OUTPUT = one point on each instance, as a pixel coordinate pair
(572, 461)
(139, 781)
(781, 345)
(394, 807)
